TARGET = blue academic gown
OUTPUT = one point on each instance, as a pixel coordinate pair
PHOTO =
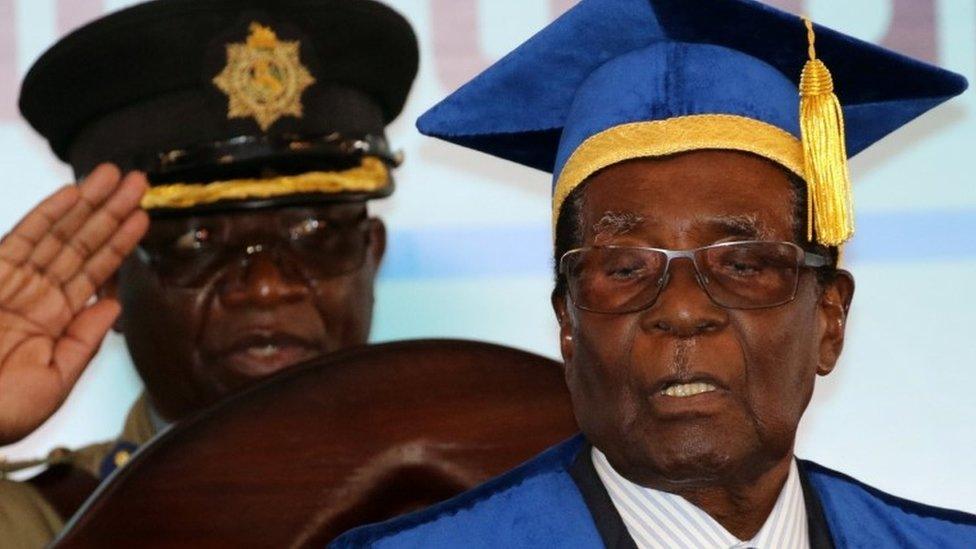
(555, 500)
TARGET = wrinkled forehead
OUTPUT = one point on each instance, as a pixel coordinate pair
(719, 192)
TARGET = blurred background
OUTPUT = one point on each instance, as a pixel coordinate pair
(469, 250)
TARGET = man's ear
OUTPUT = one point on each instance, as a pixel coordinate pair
(377, 243)
(835, 303)
(561, 306)
(110, 290)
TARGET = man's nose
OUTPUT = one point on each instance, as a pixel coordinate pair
(683, 308)
(265, 279)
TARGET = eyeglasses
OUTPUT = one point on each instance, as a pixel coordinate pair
(311, 248)
(735, 275)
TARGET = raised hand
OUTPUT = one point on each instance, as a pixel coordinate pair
(51, 267)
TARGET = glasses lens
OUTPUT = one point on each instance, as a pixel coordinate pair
(311, 248)
(750, 275)
(329, 248)
(613, 280)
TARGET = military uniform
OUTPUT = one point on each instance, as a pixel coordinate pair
(27, 518)
(224, 105)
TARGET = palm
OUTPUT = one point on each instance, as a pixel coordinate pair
(51, 265)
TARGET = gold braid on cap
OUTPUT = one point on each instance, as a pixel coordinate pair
(370, 176)
(830, 212)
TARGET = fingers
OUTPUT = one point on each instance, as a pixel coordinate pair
(106, 260)
(92, 192)
(18, 244)
(103, 223)
(100, 183)
(74, 350)
(98, 228)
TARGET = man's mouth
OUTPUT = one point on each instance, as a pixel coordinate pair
(264, 353)
(690, 394)
(684, 390)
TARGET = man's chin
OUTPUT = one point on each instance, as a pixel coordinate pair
(694, 471)
(683, 463)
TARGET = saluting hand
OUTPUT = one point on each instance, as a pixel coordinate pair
(51, 265)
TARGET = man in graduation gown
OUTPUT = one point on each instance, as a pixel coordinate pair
(226, 152)
(700, 201)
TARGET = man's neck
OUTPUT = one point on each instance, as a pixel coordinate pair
(743, 507)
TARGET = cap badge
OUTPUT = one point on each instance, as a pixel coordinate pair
(264, 78)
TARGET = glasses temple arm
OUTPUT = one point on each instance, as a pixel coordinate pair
(811, 259)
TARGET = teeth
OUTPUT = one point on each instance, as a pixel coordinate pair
(682, 390)
(263, 351)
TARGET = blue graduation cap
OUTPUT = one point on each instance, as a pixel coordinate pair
(613, 80)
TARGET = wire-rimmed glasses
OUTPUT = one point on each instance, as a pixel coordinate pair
(753, 274)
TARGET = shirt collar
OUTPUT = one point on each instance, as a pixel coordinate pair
(656, 518)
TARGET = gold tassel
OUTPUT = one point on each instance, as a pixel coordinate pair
(830, 212)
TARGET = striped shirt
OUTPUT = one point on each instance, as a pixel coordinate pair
(657, 519)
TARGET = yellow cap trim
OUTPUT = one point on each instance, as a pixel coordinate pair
(671, 136)
(370, 176)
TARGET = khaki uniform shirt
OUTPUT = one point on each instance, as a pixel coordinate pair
(27, 520)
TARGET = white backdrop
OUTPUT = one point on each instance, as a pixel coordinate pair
(469, 247)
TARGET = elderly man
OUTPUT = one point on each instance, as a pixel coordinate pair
(700, 200)
(253, 135)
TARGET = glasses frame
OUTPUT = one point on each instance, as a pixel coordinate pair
(805, 260)
(243, 253)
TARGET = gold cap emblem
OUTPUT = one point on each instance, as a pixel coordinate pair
(264, 78)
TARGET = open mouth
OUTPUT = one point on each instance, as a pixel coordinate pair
(689, 395)
(261, 354)
(685, 390)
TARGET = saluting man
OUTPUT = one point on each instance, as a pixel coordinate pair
(701, 196)
(226, 152)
